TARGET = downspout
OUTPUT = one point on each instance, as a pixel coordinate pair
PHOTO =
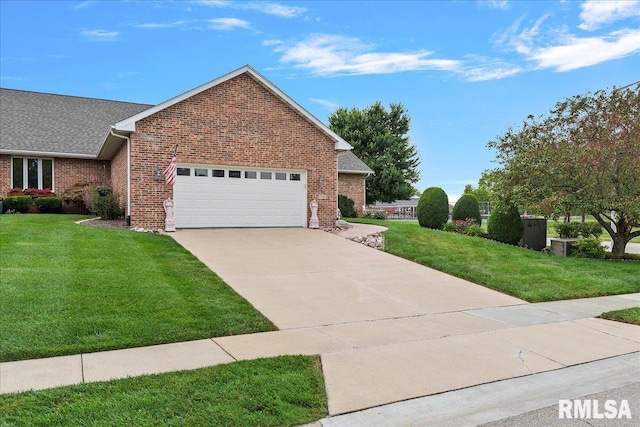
(128, 216)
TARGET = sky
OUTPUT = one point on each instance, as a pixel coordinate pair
(465, 71)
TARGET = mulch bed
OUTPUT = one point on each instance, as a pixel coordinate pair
(107, 223)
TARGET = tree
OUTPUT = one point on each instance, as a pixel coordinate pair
(583, 157)
(379, 138)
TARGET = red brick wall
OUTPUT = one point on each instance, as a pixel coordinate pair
(236, 123)
(66, 173)
(353, 186)
(119, 174)
(5, 174)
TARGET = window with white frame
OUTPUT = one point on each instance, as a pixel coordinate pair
(31, 172)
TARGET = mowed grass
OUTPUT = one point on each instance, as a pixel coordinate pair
(526, 274)
(627, 315)
(67, 288)
(282, 391)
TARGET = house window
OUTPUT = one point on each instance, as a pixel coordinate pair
(217, 173)
(294, 177)
(234, 174)
(281, 176)
(265, 175)
(184, 171)
(202, 172)
(31, 173)
(250, 174)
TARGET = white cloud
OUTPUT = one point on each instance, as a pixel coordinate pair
(83, 5)
(268, 8)
(327, 55)
(596, 14)
(575, 52)
(326, 104)
(165, 25)
(479, 73)
(520, 41)
(274, 9)
(495, 4)
(100, 35)
(228, 23)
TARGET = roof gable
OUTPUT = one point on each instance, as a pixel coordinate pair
(129, 124)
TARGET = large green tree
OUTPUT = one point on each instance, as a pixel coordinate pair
(583, 157)
(380, 138)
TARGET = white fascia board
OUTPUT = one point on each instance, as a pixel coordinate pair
(355, 172)
(24, 153)
(129, 124)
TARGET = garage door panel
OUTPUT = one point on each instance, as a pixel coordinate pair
(240, 202)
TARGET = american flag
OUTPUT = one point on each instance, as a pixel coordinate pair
(170, 172)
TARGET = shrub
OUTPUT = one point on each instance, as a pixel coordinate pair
(433, 208)
(345, 204)
(18, 203)
(588, 248)
(475, 230)
(505, 225)
(49, 204)
(38, 192)
(573, 230)
(105, 203)
(465, 208)
(375, 215)
(450, 227)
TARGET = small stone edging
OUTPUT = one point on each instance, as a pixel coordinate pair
(375, 240)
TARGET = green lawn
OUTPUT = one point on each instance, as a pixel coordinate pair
(282, 391)
(69, 288)
(523, 273)
(628, 315)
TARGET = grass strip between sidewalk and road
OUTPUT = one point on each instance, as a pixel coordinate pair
(522, 273)
(286, 390)
(69, 288)
(627, 315)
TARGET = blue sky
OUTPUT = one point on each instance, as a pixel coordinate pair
(464, 70)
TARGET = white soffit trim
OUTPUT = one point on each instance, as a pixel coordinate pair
(129, 124)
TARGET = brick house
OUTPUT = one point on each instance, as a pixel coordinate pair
(247, 154)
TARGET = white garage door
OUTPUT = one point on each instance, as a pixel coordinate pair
(227, 196)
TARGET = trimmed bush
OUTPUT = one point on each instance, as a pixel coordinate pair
(572, 230)
(345, 204)
(49, 204)
(433, 208)
(466, 208)
(17, 203)
(375, 215)
(105, 203)
(588, 248)
(505, 225)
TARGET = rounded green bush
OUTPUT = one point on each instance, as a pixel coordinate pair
(49, 204)
(467, 207)
(505, 225)
(346, 206)
(433, 208)
(17, 203)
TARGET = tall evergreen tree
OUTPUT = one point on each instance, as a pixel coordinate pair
(380, 138)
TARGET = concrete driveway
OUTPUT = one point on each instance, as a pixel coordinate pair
(303, 278)
(388, 329)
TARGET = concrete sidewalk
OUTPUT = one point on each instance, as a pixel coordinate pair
(387, 330)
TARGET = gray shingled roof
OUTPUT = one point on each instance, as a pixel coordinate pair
(349, 162)
(48, 123)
